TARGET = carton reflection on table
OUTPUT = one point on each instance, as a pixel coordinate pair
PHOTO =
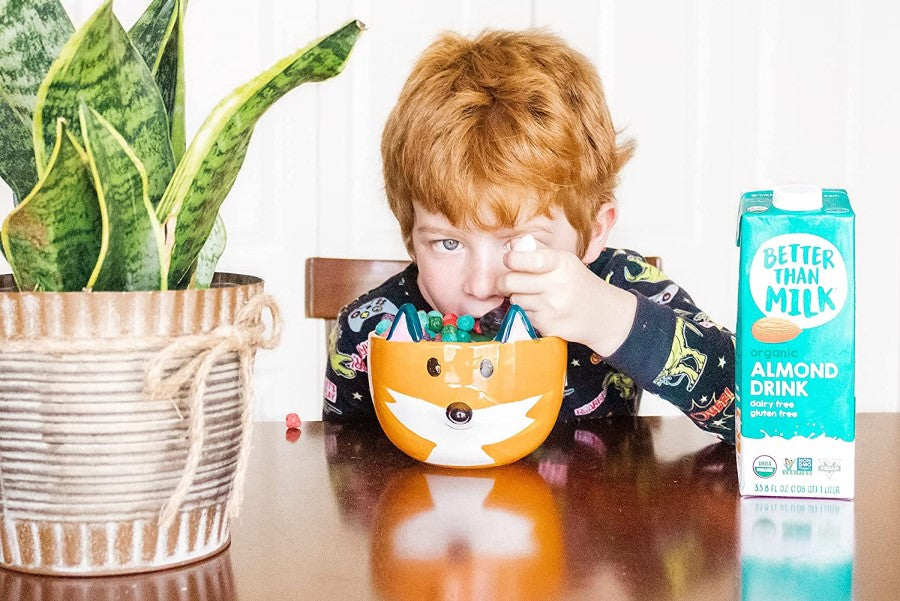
(796, 549)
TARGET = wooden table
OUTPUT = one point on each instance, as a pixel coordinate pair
(643, 508)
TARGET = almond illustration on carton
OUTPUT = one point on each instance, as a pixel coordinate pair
(774, 330)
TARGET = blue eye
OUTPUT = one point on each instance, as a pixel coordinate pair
(450, 244)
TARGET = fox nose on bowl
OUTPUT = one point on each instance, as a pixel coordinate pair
(459, 413)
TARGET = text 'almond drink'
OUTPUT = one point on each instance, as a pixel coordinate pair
(795, 343)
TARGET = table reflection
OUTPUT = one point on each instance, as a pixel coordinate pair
(208, 580)
(796, 549)
(486, 534)
(594, 507)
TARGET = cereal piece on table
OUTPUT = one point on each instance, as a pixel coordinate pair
(449, 319)
(292, 421)
(435, 323)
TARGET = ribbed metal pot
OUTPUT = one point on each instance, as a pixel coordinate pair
(87, 459)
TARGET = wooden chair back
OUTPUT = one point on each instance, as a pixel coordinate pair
(331, 284)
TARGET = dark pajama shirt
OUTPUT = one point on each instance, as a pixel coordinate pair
(674, 350)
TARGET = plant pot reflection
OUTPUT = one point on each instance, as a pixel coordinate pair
(208, 580)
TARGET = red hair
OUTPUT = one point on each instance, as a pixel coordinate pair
(497, 129)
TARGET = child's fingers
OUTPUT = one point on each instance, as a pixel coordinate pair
(538, 312)
(530, 303)
(514, 282)
(536, 261)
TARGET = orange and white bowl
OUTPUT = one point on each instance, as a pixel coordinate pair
(477, 404)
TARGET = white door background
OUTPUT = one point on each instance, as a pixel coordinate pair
(722, 97)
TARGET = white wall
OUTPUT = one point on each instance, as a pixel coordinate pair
(722, 97)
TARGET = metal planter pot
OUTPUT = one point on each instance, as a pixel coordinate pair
(89, 457)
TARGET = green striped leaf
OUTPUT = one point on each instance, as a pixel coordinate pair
(133, 245)
(32, 32)
(209, 256)
(100, 66)
(200, 275)
(211, 163)
(52, 240)
(159, 37)
(16, 159)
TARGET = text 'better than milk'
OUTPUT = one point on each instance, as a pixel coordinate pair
(795, 343)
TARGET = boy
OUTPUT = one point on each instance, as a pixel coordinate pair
(504, 136)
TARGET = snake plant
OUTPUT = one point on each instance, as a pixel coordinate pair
(107, 194)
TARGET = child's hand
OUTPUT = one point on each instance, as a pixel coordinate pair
(564, 298)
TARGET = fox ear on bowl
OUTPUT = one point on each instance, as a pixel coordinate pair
(406, 326)
(515, 326)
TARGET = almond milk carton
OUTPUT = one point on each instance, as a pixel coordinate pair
(795, 420)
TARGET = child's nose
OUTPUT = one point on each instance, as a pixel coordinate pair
(481, 277)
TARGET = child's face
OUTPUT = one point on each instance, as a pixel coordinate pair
(459, 268)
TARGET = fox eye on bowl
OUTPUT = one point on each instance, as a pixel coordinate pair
(434, 367)
(486, 368)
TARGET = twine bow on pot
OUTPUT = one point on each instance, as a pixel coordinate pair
(189, 360)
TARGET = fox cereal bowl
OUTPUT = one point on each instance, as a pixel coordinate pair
(468, 405)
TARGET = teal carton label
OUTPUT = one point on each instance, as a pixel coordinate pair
(795, 347)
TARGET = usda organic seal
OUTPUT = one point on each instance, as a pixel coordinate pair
(764, 466)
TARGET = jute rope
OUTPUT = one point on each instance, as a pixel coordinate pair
(169, 372)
